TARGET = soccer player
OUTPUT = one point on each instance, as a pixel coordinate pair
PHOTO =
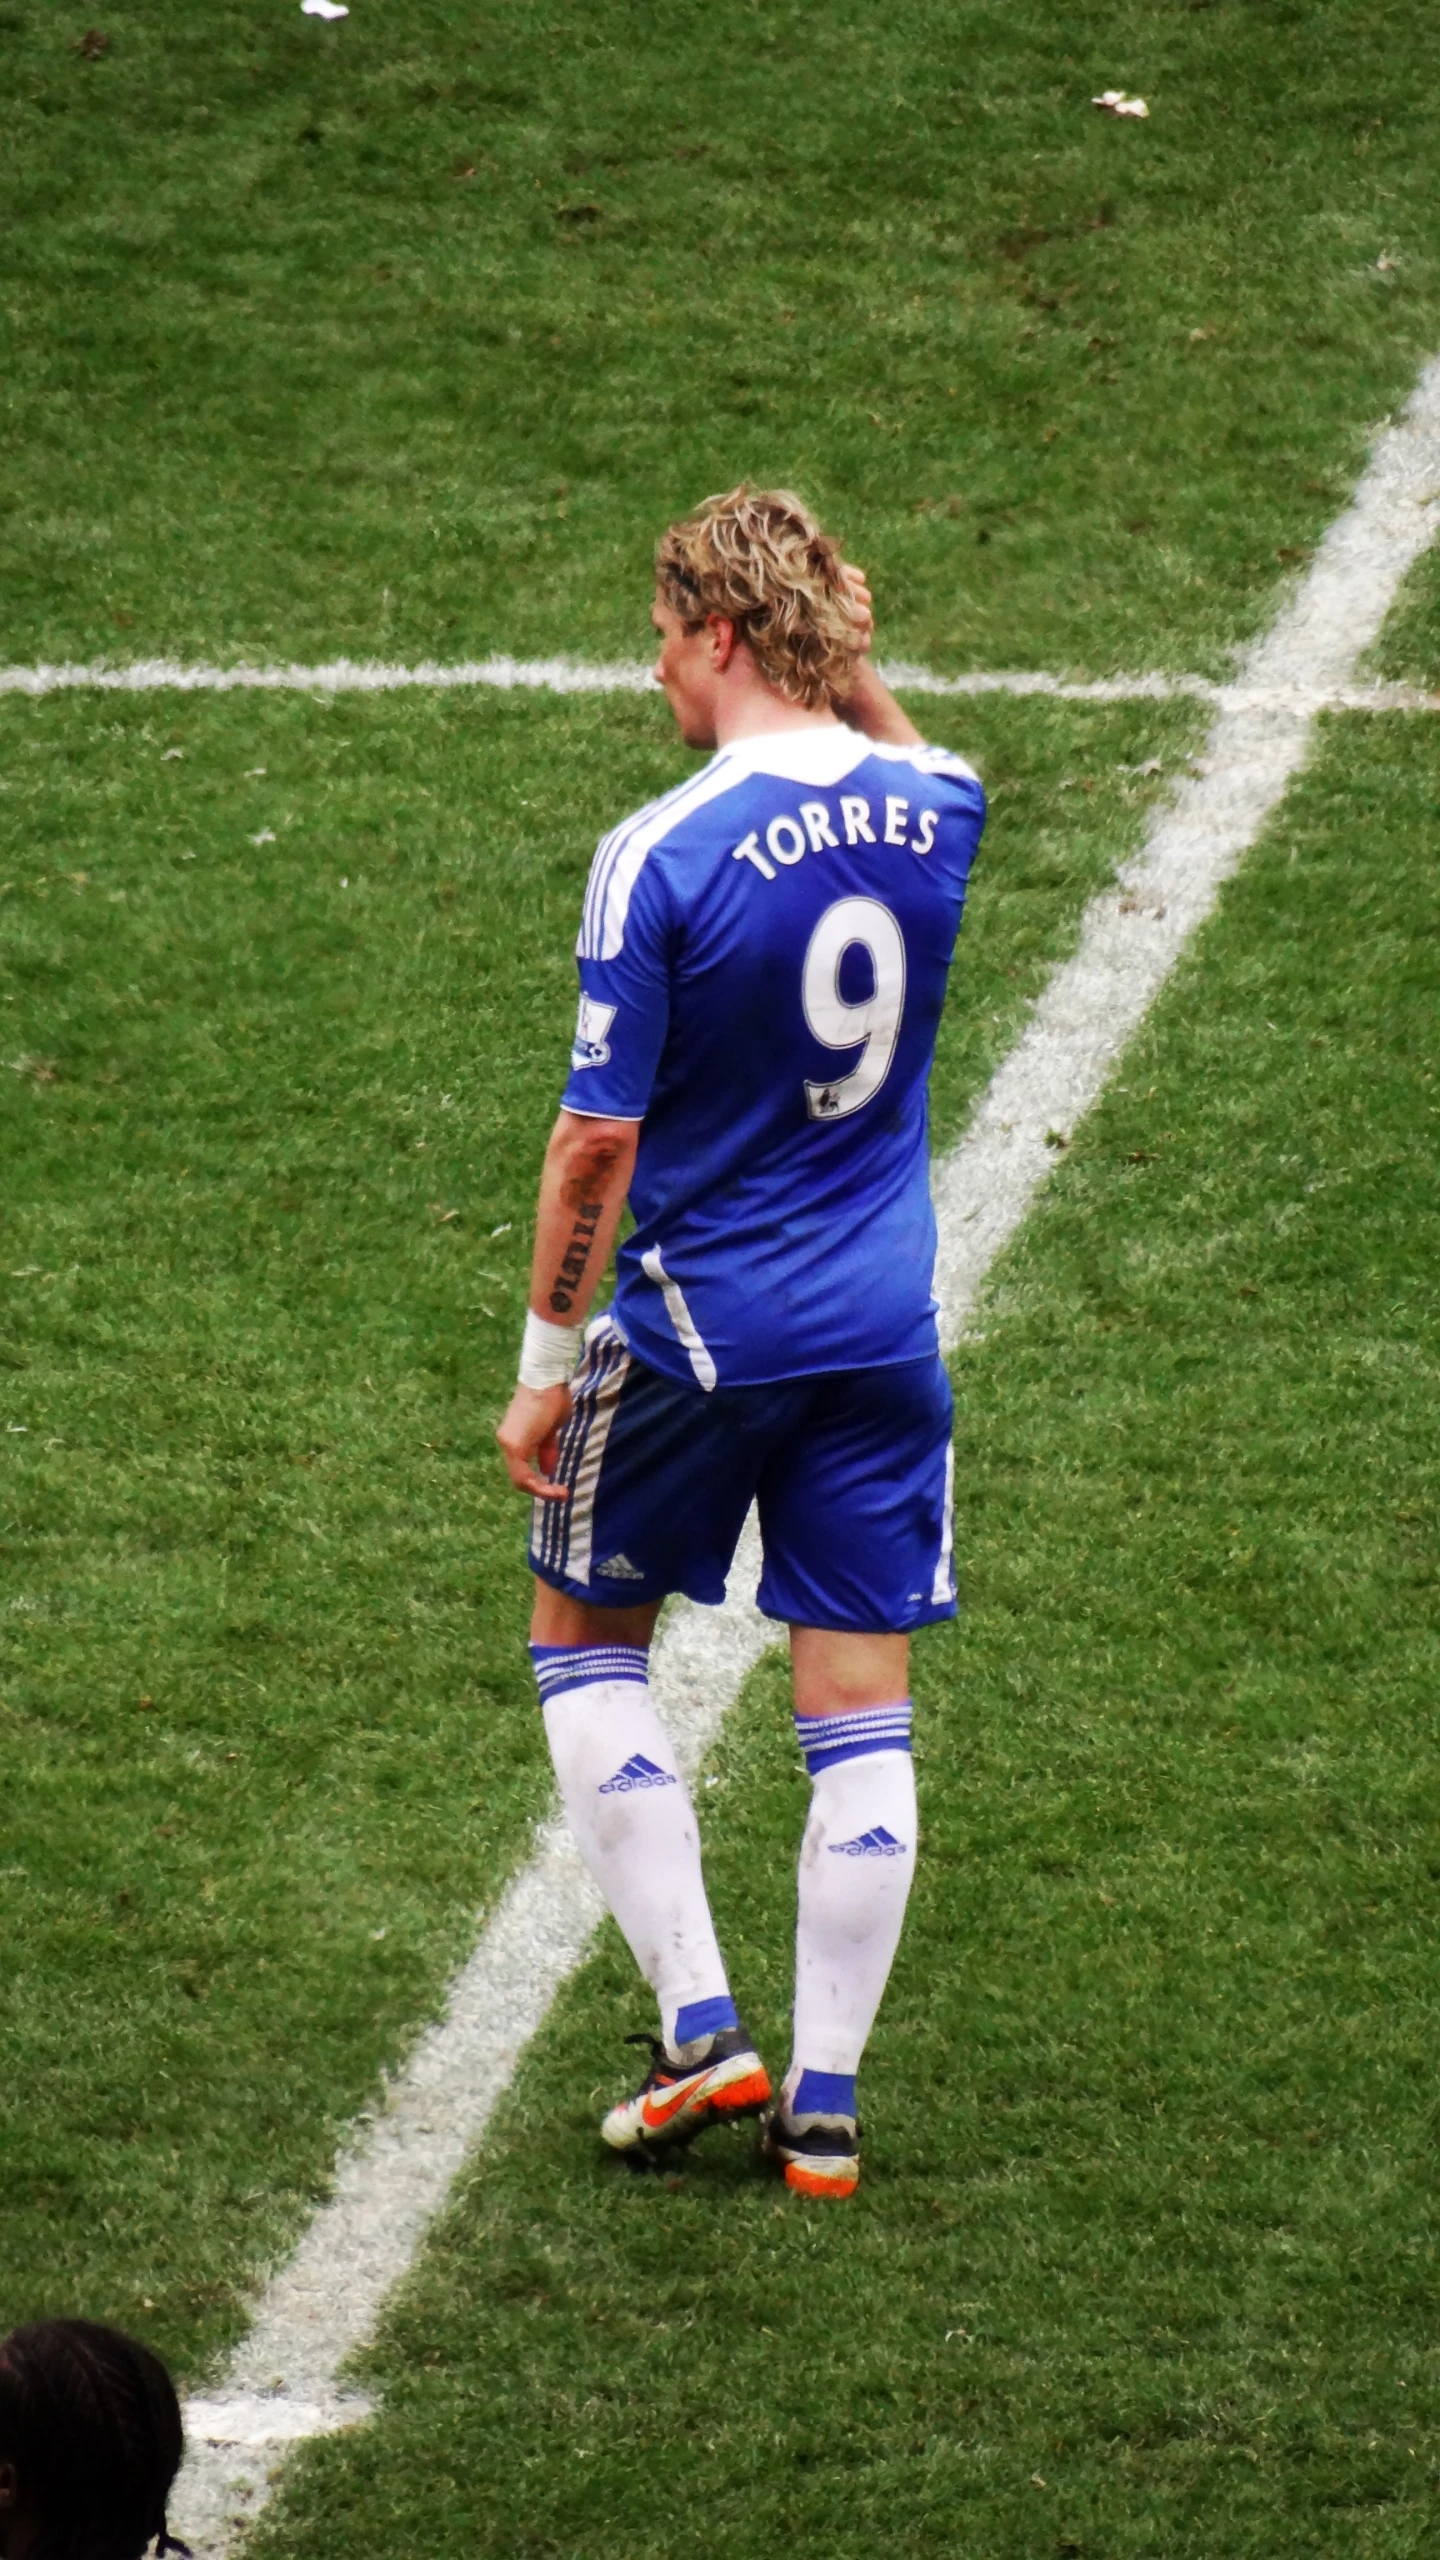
(763, 956)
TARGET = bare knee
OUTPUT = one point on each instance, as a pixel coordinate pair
(558, 1618)
(835, 1672)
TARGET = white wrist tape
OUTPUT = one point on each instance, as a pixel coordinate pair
(549, 1351)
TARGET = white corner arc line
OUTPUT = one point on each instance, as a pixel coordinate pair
(284, 2381)
(575, 675)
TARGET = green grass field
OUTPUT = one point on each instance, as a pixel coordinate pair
(264, 1654)
(1145, 2264)
(402, 338)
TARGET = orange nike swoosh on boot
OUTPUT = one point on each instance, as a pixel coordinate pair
(655, 2117)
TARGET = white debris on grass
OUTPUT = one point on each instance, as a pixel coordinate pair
(1115, 103)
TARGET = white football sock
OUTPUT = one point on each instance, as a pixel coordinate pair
(633, 1823)
(856, 1863)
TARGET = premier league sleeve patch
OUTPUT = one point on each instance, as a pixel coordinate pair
(592, 1049)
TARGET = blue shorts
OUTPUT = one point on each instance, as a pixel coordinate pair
(853, 1473)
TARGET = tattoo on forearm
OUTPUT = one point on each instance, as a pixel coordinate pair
(576, 1255)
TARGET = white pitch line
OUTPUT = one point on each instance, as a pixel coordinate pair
(334, 675)
(283, 2382)
(574, 675)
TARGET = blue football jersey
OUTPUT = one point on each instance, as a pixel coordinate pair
(763, 957)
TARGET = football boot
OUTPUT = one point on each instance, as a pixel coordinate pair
(713, 2081)
(820, 2155)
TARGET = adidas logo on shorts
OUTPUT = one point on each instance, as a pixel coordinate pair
(878, 1843)
(638, 1772)
(619, 1569)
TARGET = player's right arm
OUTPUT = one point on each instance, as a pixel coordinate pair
(624, 1011)
(583, 1187)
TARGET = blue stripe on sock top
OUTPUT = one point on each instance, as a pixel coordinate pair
(823, 2093)
(826, 1740)
(705, 2018)
(574, 1666)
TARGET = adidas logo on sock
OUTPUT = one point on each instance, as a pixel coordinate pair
(638, 1772)
(619, 1569)
(878, 1843)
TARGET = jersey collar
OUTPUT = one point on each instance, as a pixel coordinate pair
(819, 755)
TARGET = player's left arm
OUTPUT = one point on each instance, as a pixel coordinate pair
(583, 1188)
(870, 706)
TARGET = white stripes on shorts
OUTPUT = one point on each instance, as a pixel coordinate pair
(562, 1533)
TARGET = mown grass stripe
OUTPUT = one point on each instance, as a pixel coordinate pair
(323, 2305)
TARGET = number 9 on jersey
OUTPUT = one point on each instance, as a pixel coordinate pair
(838, 1024)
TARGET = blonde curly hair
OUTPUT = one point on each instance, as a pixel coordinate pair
(758, 557)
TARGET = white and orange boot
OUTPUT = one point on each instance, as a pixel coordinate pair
(714, 2082)
(820, 2155)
